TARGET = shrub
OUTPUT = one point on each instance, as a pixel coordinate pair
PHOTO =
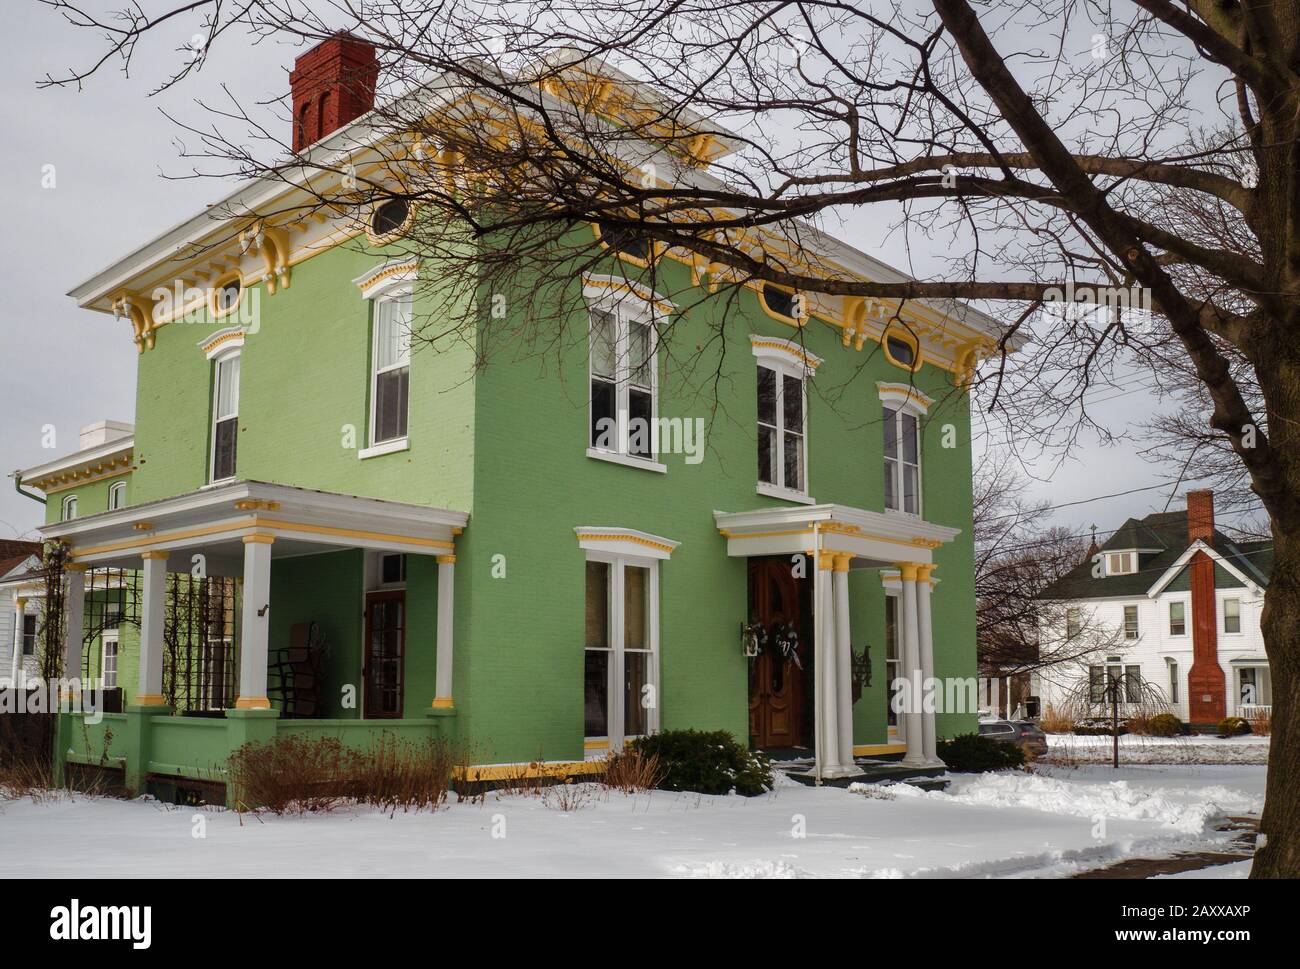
(1164, 725)
(1054, 721)
(972, 754)
(1261, 724)
(708, 763)
(1233, 727)
(632, 772)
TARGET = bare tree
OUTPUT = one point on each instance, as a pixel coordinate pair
(1038, 142)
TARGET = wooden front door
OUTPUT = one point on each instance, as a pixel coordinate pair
(776, 684)
(385, 657)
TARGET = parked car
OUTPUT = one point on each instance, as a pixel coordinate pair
(1024, 734)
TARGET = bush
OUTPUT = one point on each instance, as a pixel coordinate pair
(972, 754)
(708, 763)
(631, 772)
(1233, 727)
(1055, 721)
(1164, 725)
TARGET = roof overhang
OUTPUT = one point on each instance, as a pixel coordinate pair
(107, 460)
(1181, 563)
(874, 539)
(215, 521)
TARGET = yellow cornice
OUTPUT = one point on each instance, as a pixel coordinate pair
(66, 480)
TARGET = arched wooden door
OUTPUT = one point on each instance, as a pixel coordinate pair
(776, 684)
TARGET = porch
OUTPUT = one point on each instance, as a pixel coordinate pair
(834, 540)
(262, 561)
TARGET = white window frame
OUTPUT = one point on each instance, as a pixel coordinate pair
(893, 667)
(1240, 624)
(628, 309)
(785, 358)
(1183, 604)
(117, 496)
(68, 509)
(1137, 621)
(620, 548)
(218, 361)
(1127, 560)
(898, 464)
(1175, 693)
(110, 637)
(393, 280)
(1073, 623)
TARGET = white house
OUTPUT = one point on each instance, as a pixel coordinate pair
(18, 613)
(1185, 600)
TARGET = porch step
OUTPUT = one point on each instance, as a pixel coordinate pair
(871, 772)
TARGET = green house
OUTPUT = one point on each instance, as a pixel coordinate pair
(323, 524)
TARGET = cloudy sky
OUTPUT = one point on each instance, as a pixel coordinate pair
(111, 149)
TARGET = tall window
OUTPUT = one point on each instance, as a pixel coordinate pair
(391, 373)
(117, 496)
(1131, 622)
(902, 461)
(619, 671)
(623, 382)
(781, 431)
(69, 508)
(1104, 682)
(1232, 615)
(1173, 682)
(225, 416)
(892, 664)
(1177, 619)
(29, 635)
(108, 668)
(1073, 624)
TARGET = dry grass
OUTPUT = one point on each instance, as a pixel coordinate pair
(1261, 725)
(632, 772)
(25, 777)
(296, 775)
(1053, 721)
(567, 797)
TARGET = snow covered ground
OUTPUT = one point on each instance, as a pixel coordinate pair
(1069, 749)
(1053, 822)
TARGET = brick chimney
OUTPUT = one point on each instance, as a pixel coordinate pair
(332, 85)
(1206, 682)
(1200, 515)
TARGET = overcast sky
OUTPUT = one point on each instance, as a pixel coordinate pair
(111, 146)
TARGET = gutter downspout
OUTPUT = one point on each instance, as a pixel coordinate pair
(18, 487)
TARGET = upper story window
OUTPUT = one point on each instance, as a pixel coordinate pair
(1177, 619)
(1232, 615)
(784, 304)
(1121, 563)
(391, 371)
(117, 496)
(29, 634)
(902, 461)
(1131, 630)
(783, 367)
(389, 218)
(1073, 623)
(225, 416)
(901, 347)
(626, 242)
(69, 508)
(624, 380)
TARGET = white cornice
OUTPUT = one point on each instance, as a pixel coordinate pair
(95, 455)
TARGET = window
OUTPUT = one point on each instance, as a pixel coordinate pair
(620, 647)
(780, 301)
(228, 295)
(108, 666)
(1177, 619)
(1173, 682)
(1133, 684)
(117, 496)
(225, 416)
(392, 569)
(389, 217)
(1130, 622)
(1073, 624)
(901, 348)
(1097, 684)
(1232, 615)
(1121, 563)
(1115, 681)
(69, 508)
(626, 241)
(781, 433)
(29, 634)
(900, 351)
(892, 662)
(902, 461)
(623, 382)
(391, 372)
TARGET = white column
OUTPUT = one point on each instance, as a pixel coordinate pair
(830, 728)
(446, 600)
(926, 635)
(20, 610)
(255, 623)
(153, 601)
(912, 726)
(74, 625)
(843, 661)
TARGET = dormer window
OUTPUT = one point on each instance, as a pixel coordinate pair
(1121, 563)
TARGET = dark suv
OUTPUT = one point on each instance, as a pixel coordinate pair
(1022, 733)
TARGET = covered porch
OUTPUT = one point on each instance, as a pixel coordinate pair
(248, 538)
(834, 540)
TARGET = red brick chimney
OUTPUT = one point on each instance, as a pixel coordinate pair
(1206, 683)
(332, 84)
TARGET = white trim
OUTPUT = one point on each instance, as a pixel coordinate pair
(783, 366)
(627, 309)
(392, 289)
(226, 355)
(601, 288)
(68, 500)
(1181, 562)
(386, 447)
(626, 543)
(402, 273)
(904, 397)
(627, 460)
(784, 494)
(900, 464)
(791, 353)
(117, 487)
(221, 342)
(95, 455)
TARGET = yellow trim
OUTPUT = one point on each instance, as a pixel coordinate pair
(442, 703)
(656, 249)
(259, 539)
(352, 533)
(781, 347)
(897, 331)
(556, 769)
(256, 504)
(150, 700)
(142, 526)
(799, 321)
(627, 287)
(77, 482)
(634, 539)
(397, 233)
(446, 559)
(907, 571)
(411, 265)
(595, 745)
(21, 601)
(870, 750)
(154, 555)
(923, 572)
(826, 560)
(214, 290)
(738, 535)
(75, 567)
(252, 703)
(842, 560)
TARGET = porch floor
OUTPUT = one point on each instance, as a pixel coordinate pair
(796, 763)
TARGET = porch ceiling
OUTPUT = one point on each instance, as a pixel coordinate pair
(875, 539)
(214, 521)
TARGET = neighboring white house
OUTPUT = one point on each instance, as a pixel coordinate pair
(1186, 600)
(18, 613)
